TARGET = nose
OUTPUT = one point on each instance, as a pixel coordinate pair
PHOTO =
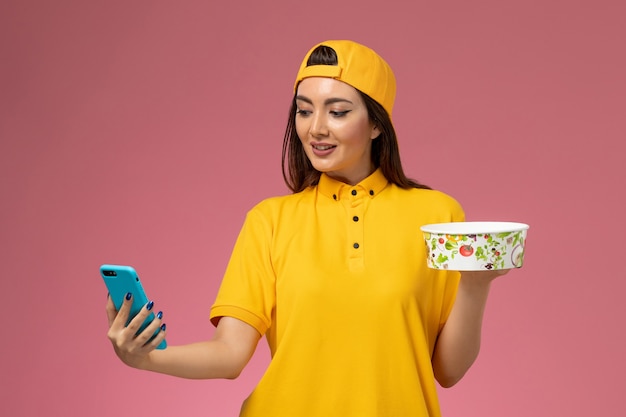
(318, 124)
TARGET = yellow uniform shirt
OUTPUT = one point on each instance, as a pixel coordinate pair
(335, 277)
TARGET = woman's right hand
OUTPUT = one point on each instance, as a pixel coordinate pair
(134, 350)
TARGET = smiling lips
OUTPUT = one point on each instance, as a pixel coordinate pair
(322, 149)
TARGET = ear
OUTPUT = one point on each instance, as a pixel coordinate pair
(375, 132)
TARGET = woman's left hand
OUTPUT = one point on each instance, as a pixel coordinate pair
(458, 343)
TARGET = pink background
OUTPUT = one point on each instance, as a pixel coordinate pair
(140, 132)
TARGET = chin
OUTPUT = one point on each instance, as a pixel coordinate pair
(323, 167)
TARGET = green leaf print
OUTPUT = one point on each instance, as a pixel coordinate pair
(450, 245)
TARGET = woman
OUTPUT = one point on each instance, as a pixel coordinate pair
(334, 275)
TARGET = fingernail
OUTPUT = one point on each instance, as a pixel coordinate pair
(160, 315)
(129, 295)
(163, 326)
(150, 305)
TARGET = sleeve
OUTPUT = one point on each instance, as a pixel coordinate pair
(247, 291)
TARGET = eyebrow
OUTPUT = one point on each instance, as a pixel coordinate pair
(328, 101)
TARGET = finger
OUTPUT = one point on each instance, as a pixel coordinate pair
(122, 315)
(151, 329)
(137, 321)
(151, 345)
(118, 319)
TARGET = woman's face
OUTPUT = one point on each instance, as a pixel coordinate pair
(334, 128)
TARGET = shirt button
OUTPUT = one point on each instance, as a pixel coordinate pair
(355, 218)
(356, 246)
(371, 192)
(353, 192)
(334, 196)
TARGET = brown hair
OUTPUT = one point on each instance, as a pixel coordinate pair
(298, 172)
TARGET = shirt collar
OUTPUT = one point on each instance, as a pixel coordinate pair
(334, 189)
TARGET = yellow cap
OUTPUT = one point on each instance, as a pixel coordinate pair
(358, 66)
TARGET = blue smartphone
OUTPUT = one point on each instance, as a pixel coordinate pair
(121, 280)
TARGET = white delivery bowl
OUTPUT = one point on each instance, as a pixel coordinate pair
(475, 246)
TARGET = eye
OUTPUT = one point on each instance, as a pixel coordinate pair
(303, 113)
(340, 113)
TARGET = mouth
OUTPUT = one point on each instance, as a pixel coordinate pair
(323, 147)
(322, 150)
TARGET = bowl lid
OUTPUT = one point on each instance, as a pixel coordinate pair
(465, 228)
